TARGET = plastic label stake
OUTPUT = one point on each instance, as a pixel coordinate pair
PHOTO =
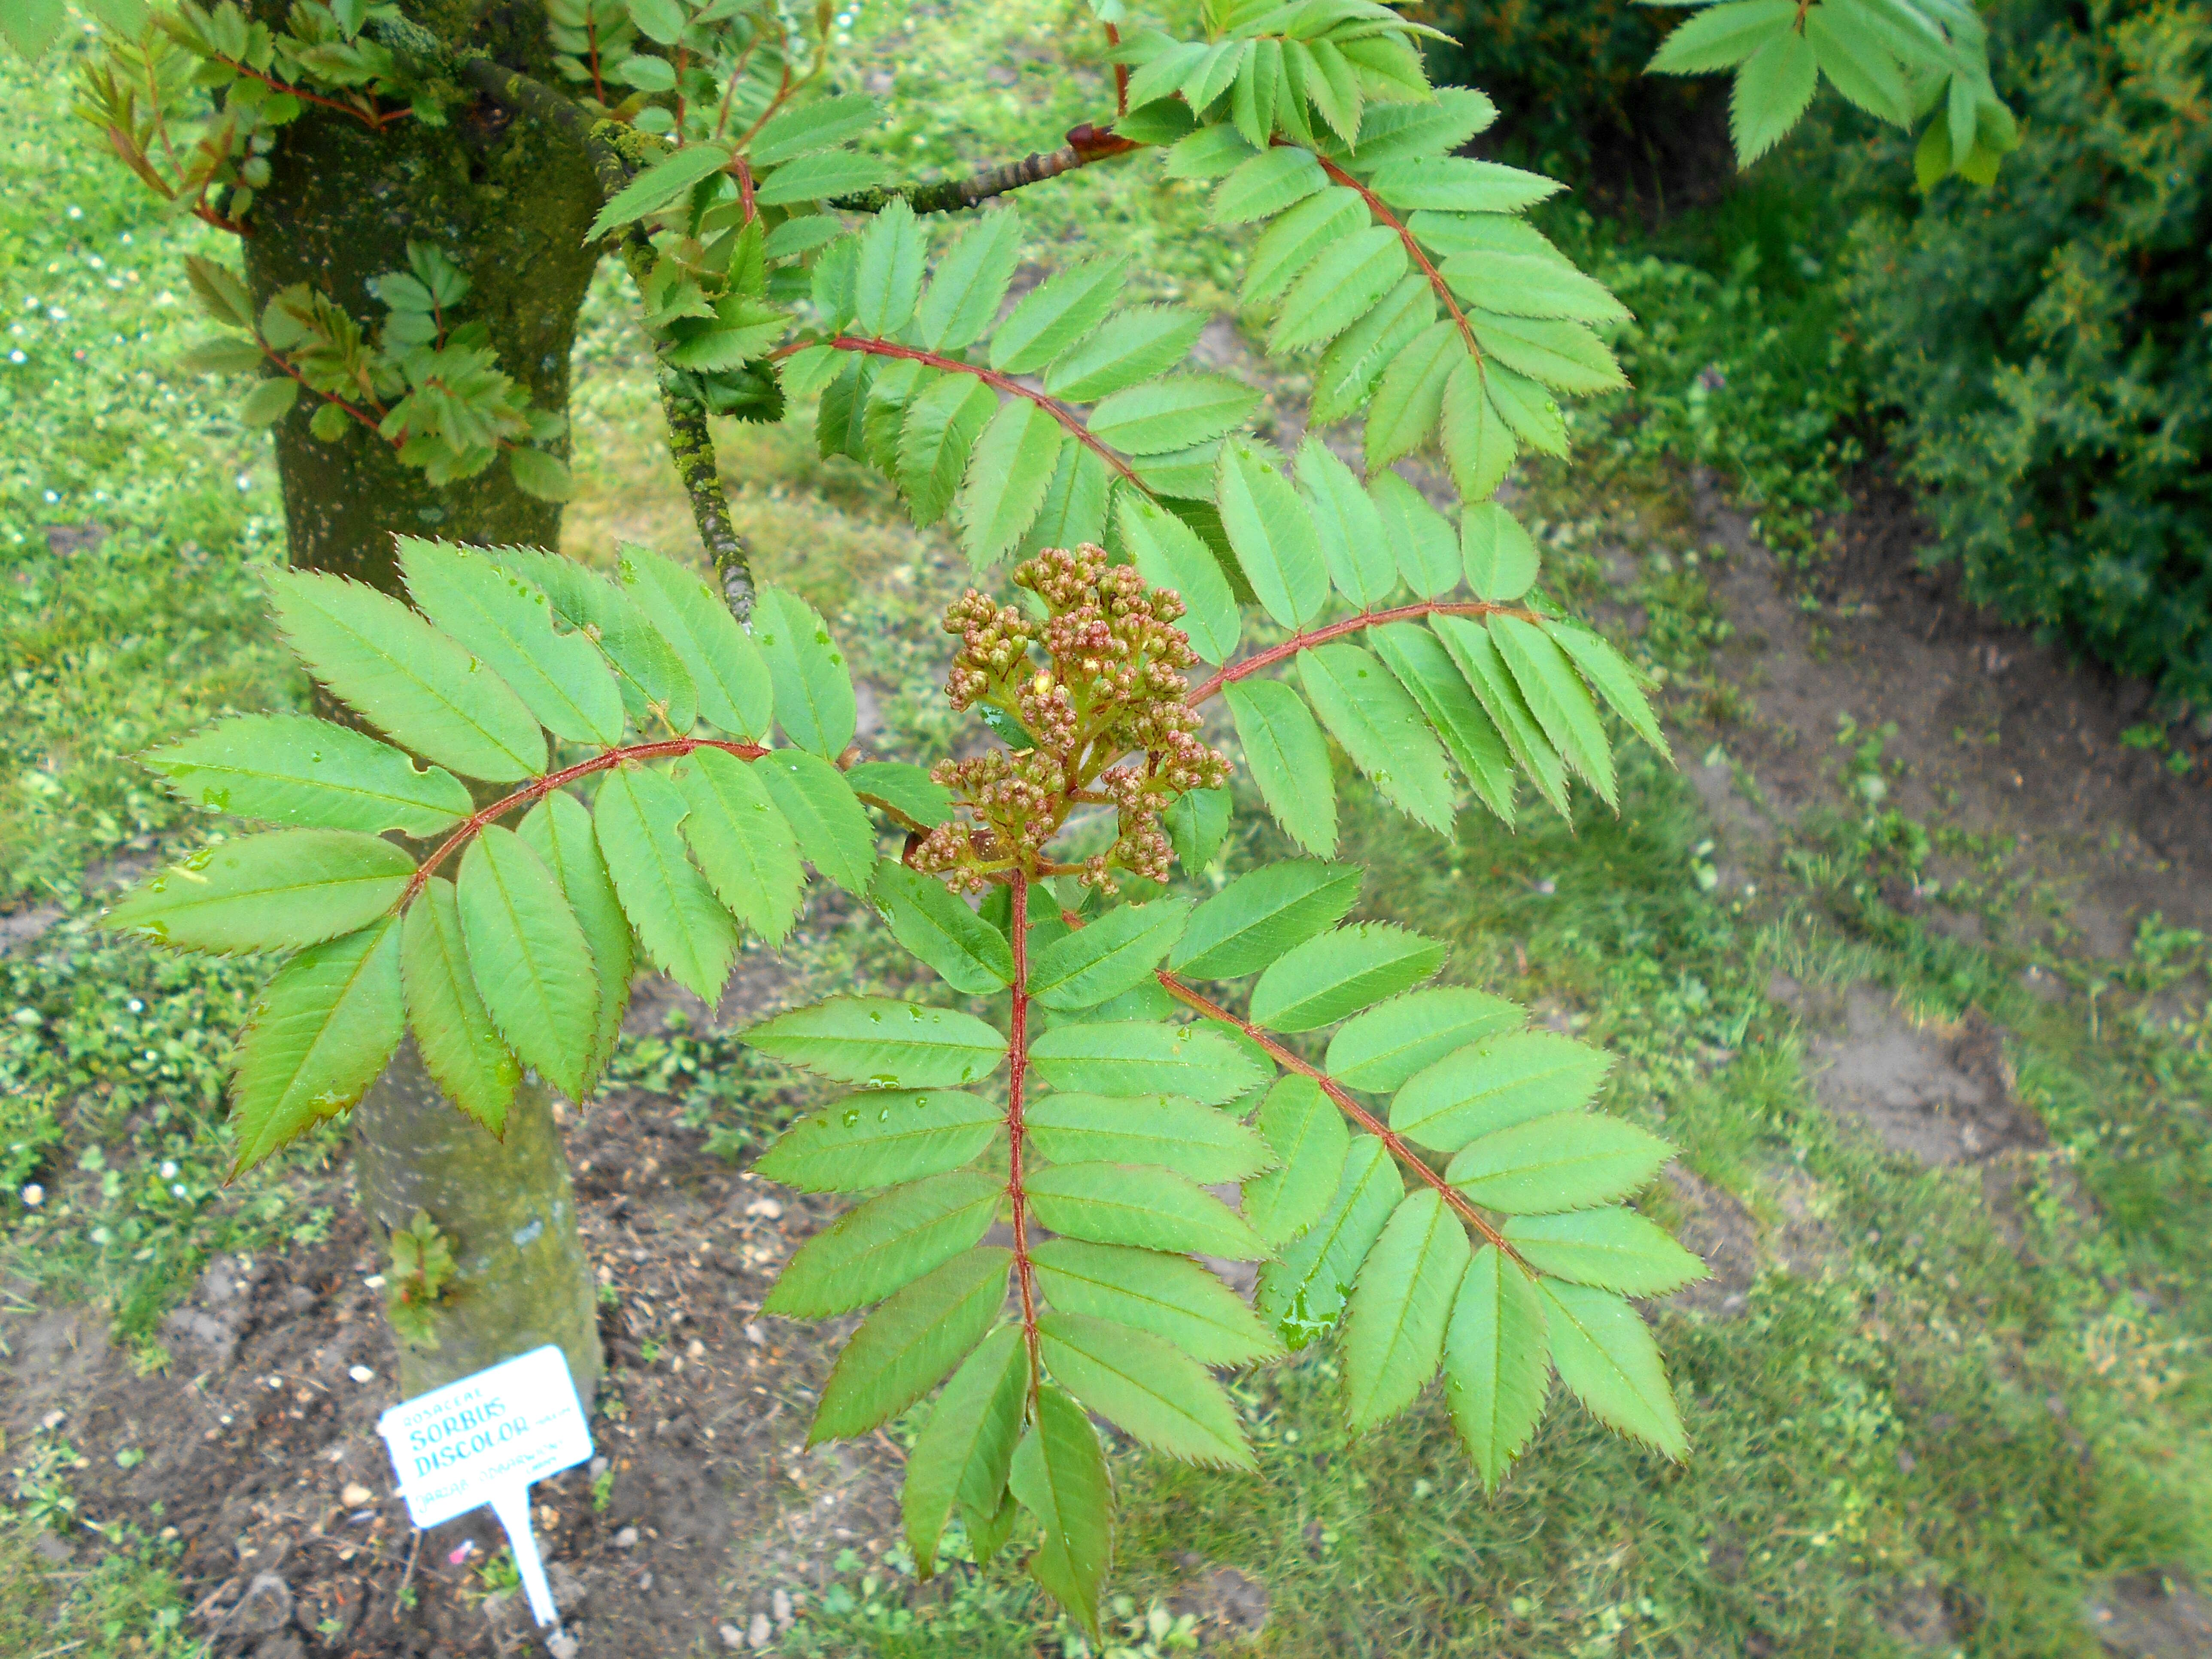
(483, 1440)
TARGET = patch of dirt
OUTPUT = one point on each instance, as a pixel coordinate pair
(1939, 1094)
(1225, 1602)
(1719, 1231)
(2152, 1615)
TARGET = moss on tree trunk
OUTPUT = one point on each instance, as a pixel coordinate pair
(509, 202)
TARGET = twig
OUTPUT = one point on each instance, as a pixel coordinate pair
(413, 1550)
(691, 447)
(1298, 643)
(1085, 144)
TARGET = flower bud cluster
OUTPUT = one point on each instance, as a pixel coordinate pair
(1112, 685)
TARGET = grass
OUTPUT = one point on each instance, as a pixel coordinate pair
(1941, 1406)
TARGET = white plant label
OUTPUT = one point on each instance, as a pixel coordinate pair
(483, 1440)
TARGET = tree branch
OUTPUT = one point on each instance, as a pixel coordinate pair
(691, 447)
(1085, 144)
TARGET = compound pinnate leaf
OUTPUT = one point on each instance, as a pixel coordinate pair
(319, 1034)
(507, 624)
(1168, 553)
(1262, 914)
(1106, 956)
(559, 831)
(1150, 1209)
(906, 1346)
(290, 768)
(1608, 1361)
(1059, 1475)
(1205, 1144)
(1573, 1161)
(883, 1043)
(814, 700)
(1381, 727)
(684, 927)
(1133, 1057)
(1169, 1296)
(1307, 1133)
(819, 803)
(1288, 758)
(880, 1137)
(1614, 1249)
(1380, 1050)
(746, 850)
(276, 891)
(1497, 1362)
(966, 1448)
(1146, 1387)
(528, 954)
(1494, 1084)
(1335, 975)
(1272, 533)
(890, 1240)
(1302, 1291)
(726, 666)
(1394, 1332)
(461, 1047)
(414, 683)
(968, 954)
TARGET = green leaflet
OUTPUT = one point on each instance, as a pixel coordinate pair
(727, 670)
(970, 283)
(840, 423)
(1527, 408)
(1059, 1475)
(1425, 669)
(657, 185)
(1412, 395)
(320, 1033)
(1288, 759)
(1771, 91)
(1184, 479)
(528, 954)
(1614, 1249)
(290, 769)
(880, 1137)
(967, 1446)
(1394, 1334)
(1137, 1058)
(1721, 37)
(1529, 285)
(1262, 915)
(968, 954)
(1848, 45)
(1134, 346)
(1356, 359)
(1331, 84)
(832, 827)
(891, 389)
(508, 625)
(1616, 681)
(1209, 153)
(1303, 1289)
(1485, 233)
(813, 696)
(887, 276)
(461, 1047)
(1570, 1162)
(743, 845)
(902, 1348)
(1564, 357)
(888, 1241)
(1478, 441)
(1555, 696)
(1381, 727)
(807, 128)
(1151, 1209)
(883, 1043)
(652, 676)
(559, 831)
(1008, 473)
(1195, 822)
(815, 177)
(276, 891)
(1500, 554)
(684, 929)
(1348, 281)
(1076, 502)
(1378, 1050)
(1056, 313)
(1426, 550)
(417, 686)
(1337, 973)
(1112, 953)
(1272, 534)
(1206, 1146)
(1454, 183)
(1145, 1387)
(1215, 73)
(1177, 413)
(1498, 1362)
(1297, 238)
(1266, 184)
(1495, 1083)
(1306, 1130)
(1168, 553)
(902, 791)
(1476, 656)
(1354, 546)
(1169, 1296)
(1607, 1360)
(1252, 95)
(1397, 132)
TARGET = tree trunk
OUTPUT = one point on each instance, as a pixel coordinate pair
(509, 202)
